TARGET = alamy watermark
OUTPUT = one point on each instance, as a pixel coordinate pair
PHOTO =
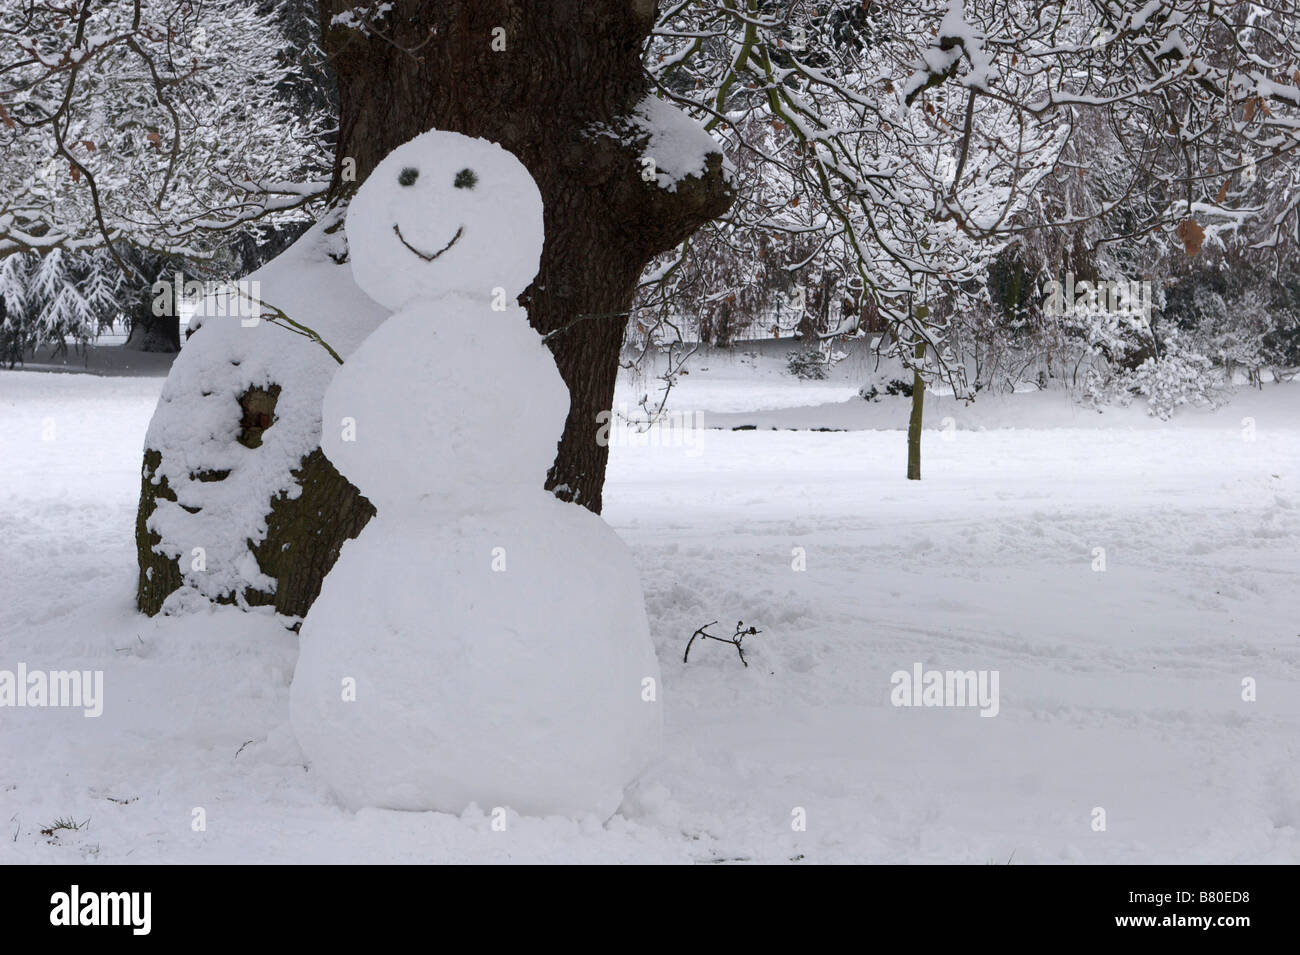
(1111, 297)
(922, 687)
(74, 907)
(24, 687)
(241, 299)
(641, 429)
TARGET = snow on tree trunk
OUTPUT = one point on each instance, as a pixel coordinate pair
(237, 502)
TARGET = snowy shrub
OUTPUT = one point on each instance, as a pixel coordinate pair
(1244, 318)
(1177, 377)
(868, 394)
(808, 364)
(899, 387)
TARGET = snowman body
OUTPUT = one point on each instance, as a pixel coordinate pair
(480, 641)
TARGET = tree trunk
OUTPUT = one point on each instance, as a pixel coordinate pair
(303, 534)
(914, 424)
(151, 332)
(536, 77)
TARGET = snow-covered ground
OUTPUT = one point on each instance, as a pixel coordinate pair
(1119, 690)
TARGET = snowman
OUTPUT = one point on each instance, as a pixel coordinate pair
(480, 641)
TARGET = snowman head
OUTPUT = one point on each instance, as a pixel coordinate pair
(445, 214)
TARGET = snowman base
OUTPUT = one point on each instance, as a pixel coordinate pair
(500, 658)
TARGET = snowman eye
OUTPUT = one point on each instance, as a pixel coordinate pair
(408, 176)
(466, 179)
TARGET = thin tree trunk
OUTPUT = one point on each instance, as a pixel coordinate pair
(914, 424)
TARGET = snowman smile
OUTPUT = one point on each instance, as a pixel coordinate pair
(425, 255)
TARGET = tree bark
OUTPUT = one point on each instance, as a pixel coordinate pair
(303, 535)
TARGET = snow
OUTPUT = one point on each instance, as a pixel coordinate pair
(480, 642)
(675, 145)
(360, 16)
(750, 376)
(1119, 689)
(499, 659)
(954, 26)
